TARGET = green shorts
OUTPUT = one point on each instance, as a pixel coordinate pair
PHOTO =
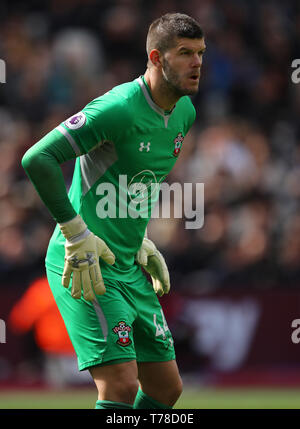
(126, 323)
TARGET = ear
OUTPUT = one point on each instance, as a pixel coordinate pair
(155, 58)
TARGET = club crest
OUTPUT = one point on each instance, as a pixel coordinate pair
(122, 330)
(178, 144)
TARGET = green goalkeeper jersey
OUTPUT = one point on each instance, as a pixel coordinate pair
(126, 146)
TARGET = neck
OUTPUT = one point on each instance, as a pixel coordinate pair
(161, 93)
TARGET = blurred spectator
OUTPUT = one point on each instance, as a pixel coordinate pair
(36, 310)
(244, 145)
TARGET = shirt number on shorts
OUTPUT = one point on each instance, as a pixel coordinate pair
(160, 330)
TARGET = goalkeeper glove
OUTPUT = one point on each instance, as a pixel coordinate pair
(82, 252)
(153, 263)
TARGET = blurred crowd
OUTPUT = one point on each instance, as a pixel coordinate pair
(244, 145)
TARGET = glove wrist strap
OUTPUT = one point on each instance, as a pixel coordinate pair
(79, 237)
(74, 229)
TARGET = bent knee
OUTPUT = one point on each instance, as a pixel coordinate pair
(118, 390)
(167, 394)
(116, 383)
(175, 391)
(124, 390)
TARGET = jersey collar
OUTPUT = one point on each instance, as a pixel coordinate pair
(146, 91)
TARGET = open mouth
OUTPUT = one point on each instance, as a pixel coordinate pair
(194, 77)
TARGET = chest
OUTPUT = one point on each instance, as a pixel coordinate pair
(149, 148)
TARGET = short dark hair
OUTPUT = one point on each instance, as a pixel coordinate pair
(163, 31)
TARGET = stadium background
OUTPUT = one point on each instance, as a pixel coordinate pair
(235, 282)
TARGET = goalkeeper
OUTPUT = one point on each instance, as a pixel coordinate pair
(94, 259)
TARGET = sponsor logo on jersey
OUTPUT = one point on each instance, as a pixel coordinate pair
(178, 144)
(122, 330)
(76, 121)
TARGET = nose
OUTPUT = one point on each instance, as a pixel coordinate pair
(197, 60)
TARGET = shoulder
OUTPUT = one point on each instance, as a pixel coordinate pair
(118, 102)
(187, 111)
(187, 105)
